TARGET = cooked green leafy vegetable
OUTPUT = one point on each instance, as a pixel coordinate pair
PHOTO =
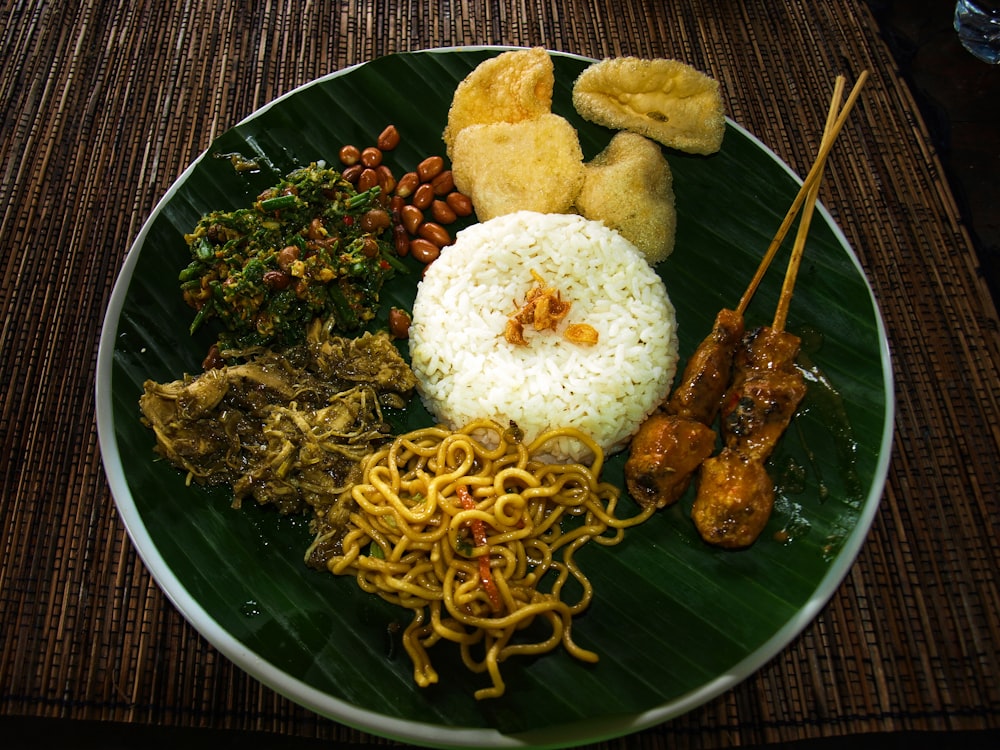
(309, 247)
(287, 429)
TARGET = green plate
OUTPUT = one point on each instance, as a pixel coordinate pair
(675, 622)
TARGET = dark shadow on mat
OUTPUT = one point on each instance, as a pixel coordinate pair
(30, 733)
(959, 99)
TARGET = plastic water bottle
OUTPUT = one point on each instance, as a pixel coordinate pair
(978, 25)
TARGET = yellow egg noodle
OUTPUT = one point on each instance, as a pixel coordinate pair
(478, 542)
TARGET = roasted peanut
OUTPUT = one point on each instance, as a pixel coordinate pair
(444, 183)
(424, 251)
(386, 179)
(277, 280)
(388, 139)
(411, 217)
(349, 155)
(374, 221)
(430, 168)
(367, 180)
(417, 206)
(286, 256)
(581, 333)
(371, 157)
(401, 240)
(442, 212)
(423, 196)
(316, 230)
(399, 323)
(213, 359)
(434, 233)
(353, 172)
(459, 203)
(407, 184)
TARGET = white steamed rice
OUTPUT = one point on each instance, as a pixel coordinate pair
(466, 370)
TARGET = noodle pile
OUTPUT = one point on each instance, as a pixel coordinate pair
(479, 542)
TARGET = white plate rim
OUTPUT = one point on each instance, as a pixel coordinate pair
(428, 734)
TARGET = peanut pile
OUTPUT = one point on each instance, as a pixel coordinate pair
(422, 203)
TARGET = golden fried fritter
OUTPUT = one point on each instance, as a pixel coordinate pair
(511, 87)
(531, 165)
(629, 187)
(665, 100)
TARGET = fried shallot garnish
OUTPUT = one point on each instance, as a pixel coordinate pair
(581, 333)
(544, 309)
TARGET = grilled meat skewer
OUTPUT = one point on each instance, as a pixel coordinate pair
(735, 499)
(767, 389)
(735, 493)
(665, 454)
(706, 376)
(672, 443)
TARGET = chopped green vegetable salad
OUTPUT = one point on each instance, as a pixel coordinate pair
(312, 246)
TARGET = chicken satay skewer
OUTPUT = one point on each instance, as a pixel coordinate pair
(735, 493)
(706, 375)
(673, 442)
(753, 421)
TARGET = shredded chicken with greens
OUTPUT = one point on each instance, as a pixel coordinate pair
(287, 429)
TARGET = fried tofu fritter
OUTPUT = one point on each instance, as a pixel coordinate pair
(532, 165)
(510, 152)
(666, 100)
(511, 87)
(629, 187)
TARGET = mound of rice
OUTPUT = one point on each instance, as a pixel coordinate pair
(466, 370)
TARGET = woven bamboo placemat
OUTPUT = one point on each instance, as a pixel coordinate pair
(105, 103)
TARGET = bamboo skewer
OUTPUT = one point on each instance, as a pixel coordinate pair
(812, 180)
(785, 300)
(659, 474)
